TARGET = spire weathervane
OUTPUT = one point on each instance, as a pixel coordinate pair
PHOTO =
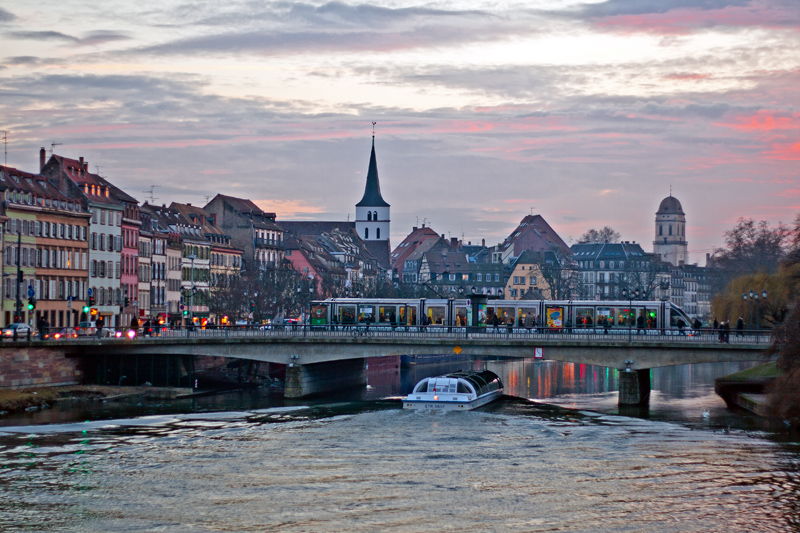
(373, 129)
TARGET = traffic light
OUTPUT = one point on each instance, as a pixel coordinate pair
(31, 304)
(85, 308)
(252, 307)
(91, 301)
(127, 302)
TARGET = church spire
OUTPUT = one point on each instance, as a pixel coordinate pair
(372, 192)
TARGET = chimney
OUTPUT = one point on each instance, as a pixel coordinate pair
(80, 160)
(42, 157)
(454, 242)
(412, 229)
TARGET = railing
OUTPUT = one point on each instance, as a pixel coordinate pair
(382, 331)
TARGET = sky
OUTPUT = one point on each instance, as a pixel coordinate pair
(587, 113)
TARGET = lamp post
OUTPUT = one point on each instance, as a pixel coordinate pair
(753, 297)
(191, 305)
(18, 308)
(630, 295)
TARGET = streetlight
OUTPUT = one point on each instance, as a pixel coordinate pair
(754, 299)
(631, 295)
(191, 306)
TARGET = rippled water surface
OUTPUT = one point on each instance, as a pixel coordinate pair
(515, 466)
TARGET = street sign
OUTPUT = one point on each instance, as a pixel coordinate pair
(31, 293)
(537, 353)
(89, 291)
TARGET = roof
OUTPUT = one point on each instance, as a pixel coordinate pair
(78, 172)
(39, 188)
(313, 228)
(414, 239)
(534, 233)
(372, 192)
(258, 218)
(608, 251)
(670, 206)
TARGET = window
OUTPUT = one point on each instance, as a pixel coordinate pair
(496, 277)
(377, 233)
(102, 216)
(533, 281)
(660, 230)
(366, 233)
(452, 277)
(478, 277)
(369, 216)
(670, 229)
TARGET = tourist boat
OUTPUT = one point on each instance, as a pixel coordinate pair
(458, 391)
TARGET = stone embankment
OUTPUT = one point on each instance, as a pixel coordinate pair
(747, 389)
(16, 400)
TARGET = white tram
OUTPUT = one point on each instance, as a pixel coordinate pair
(542, 315)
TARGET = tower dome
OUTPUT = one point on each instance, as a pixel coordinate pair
(670, 205)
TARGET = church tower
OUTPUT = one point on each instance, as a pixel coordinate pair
(372, 214)
(670, 244)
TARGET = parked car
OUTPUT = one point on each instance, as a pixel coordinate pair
(22, 330)
(89, 329)
(61, 334)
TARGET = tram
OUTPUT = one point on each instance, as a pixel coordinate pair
(550, 315)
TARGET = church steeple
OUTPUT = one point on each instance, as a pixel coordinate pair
(372, 192)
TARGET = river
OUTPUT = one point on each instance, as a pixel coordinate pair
(568, 461)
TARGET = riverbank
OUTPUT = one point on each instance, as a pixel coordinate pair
(748, 389)
(29, 399)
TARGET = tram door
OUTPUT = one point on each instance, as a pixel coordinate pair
(408, 315)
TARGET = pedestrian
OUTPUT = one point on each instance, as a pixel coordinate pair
(99, 324)
(727, 331)
(496, 323)
(146, 330)
(697, 325)
(721, 330)
(640, 325)
(716, 324)
(740, 327)
(134, 325)
(40, 327)
(681, 325)
(510, 325)
(528, 322)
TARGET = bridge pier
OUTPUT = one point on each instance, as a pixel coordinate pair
(304, 380)
(634, 387)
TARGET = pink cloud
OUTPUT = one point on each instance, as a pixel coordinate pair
(684, 21)
(687, 76)
(786, 152)
(765, 120)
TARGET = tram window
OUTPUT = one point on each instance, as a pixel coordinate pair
(461, 316)
(436, 314)
(347, 314)
(525, 312)
(366, 313)
(651, 318)
(624, 315)
(387, 314)
(605, 316)
(584, 317)
(505, 314)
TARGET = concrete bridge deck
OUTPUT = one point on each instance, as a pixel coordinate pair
(621, 349)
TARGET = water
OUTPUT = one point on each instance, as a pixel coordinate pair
(365, 465)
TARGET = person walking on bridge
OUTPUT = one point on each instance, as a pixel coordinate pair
(740, 327)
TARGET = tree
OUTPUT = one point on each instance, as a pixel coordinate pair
(607, 234)
(750, 247)
(730, 303)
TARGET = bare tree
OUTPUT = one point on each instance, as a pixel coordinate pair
(607, 234)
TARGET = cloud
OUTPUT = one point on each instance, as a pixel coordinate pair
(6, 16)
(613, 8)
(43, 36)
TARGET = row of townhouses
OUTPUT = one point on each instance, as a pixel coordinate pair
(71, 239)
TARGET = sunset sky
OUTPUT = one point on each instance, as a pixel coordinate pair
(584, 112)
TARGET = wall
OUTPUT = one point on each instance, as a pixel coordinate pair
(37, 367)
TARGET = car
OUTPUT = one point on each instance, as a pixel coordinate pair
(89, 329)
(61, 334)
(22, 330)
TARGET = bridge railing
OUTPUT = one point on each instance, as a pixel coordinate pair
(364, 331)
